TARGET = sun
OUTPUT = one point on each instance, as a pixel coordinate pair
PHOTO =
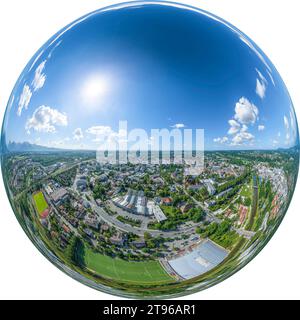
(94, 88)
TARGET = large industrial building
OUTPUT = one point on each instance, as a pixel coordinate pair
(135, 202)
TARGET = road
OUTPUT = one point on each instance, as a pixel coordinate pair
(112, 221)
(212, 218)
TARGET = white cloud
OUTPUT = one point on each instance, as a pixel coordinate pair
(24, 99)
(77, 134)
(261, 127)
(45, 119)
(102, 133)
(39, 77)
(245, 111)
(244, 128)
(286, 123)
(261, 85)
(275, 142)
(293, 125)
(178, 126)
(260, 88)
(242, 138)
(287, 129)
(287, 137)
(234, 126)
(100, 130)
(221, 140)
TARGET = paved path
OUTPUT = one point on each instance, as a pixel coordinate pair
(212, 218)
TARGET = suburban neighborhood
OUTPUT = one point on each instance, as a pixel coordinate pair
(150, 221)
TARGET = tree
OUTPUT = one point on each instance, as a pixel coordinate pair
(147, 236)
(247, 202)
(75, 252)
(198, 216)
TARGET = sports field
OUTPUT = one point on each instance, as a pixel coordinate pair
(40, 202)
(114, 268)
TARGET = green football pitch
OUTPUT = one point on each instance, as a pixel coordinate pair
(40, 202)
(139, 272)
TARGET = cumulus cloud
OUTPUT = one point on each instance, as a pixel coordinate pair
(261, 85)
(45, 119)
(261, 127)
(242, 138)
(178, 125)
(221, 140)
(245, 111)
(78, 134)
(36, 84)
(234, 126)
(24, 99)
(244, 128)
(39, 77)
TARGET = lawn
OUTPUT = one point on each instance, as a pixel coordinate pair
(40, 202)
(246, 191)
(139, 272)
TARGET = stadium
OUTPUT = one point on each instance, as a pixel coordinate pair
(197, 261)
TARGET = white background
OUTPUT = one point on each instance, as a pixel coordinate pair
(25, 25)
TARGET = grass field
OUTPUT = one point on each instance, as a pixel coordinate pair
(40, 202)
(246, 191)
(114, 268)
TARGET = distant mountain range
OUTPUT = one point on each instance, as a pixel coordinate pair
(27, 147)
(13, 146)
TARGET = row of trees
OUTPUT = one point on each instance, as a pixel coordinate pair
(232, 183)
(220, 233)
(75, 252)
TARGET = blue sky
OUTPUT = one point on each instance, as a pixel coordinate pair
(155, 66)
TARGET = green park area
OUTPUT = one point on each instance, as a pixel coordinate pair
(117, 269)
(246, 191)
(40, 202)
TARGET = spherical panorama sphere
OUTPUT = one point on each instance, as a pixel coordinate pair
(150, 149)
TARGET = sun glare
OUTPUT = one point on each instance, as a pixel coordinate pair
(94, 88)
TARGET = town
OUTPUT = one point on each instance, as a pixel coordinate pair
(149, 223)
